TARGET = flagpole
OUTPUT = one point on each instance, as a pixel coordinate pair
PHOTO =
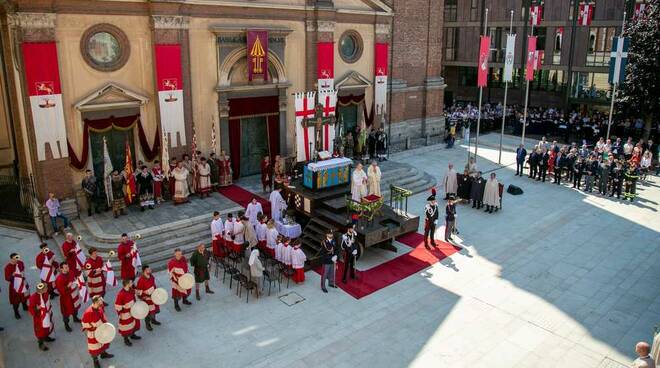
(481, 92)
(614, 84)
(506, 89)
(522, 138)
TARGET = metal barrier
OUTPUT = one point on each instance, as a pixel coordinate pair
(17, 195)
(399, 200)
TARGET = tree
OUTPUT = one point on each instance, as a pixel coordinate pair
(640, 92)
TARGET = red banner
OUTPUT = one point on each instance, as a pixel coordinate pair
(169, 78)
(535, 15)
(531, 57)
(168, 67)
(41, 68)
(325, 64)
(484, 51)
(380, 89)
(585, 14)
(257, 54)
(381, 59)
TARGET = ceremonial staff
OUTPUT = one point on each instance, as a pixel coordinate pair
(508, 71)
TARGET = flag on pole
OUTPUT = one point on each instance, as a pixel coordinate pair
(213, 139)
(585, 14)
(640, 9)
(110, 278)
(538, 59)
(82, 289)
(531, 53)
(618, 60)
(165, 156)
(484, 51)
(535, 15)
(130, 178)
(107, 172)
(509, 57)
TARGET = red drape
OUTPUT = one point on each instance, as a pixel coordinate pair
(126, 122)
(235, 146)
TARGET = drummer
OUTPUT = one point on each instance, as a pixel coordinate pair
(146, 285)
(92, 318)
(128, 324)
(177, 267)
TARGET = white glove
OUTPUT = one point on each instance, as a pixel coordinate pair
(355, 252)
(435, 222)
(334, 259)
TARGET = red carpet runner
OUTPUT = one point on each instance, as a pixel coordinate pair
(397, 269)
(243, 197)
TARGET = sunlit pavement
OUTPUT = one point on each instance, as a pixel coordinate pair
(556, 279)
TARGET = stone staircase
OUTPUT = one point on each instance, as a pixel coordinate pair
(405, 176)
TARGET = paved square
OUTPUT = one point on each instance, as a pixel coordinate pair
(557, 278)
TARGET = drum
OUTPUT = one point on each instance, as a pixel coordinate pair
(159, 296)
(140, 310)
(186, 281)
(105, 333)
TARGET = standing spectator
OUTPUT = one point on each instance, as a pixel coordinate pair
(534, 162)
(628, 149)
(644, 360)
(560, 164)
(450, 218)
(578, 170)
(544, 158)
(53, 205)
(521, 153)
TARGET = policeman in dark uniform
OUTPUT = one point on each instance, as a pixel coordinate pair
(329, 260)
(431, 213)
(350, 248)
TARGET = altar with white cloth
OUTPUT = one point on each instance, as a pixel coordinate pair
(327, 173)
(291, 231)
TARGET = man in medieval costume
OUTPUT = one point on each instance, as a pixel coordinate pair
(127, 253)
(144, 287)
(69, 289)
(18, 286)
(204, 173)
(358, 184)
(492, 194)
(477, 188)
(94, 268)
(450, 182)
(189, 165)
(373, 179)
(145, 183)
(381, 144)
(224, 169)
(199, 261)
(157, 175)
(213, 165)
(180, 175)
(92, 318)
(127, 324)
(266, 174)
(47, 266)
(117, 183)
(42, 316)
(176, 268)
(170, 180)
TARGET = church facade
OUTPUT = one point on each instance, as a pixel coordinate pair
(135, 75)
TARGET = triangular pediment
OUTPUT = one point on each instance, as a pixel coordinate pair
(352, 80)
(111, 95)
(362, 5)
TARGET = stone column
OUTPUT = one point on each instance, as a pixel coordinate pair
(284, 150)
(223, 113)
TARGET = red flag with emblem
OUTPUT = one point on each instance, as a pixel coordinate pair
(482, 73)
(531, 58)
(130, 178)
(585, 14)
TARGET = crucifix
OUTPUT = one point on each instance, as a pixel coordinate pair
(318, 122)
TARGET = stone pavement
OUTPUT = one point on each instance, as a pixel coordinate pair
(557, 279)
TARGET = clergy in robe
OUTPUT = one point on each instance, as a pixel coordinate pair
(261, 230)
(253, 210)
(477, 190)
(213, 166)
(373, 179)
(224, 170)
(358, 183)
(180, 175)
(464, 183)
(277, 204)
(450, 182)
(191, 167)
(492, 194)
(204, 172)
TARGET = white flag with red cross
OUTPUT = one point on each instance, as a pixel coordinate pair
(304, 103)
(328, 99)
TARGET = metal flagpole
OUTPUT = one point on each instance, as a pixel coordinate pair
(522, 138)
(481, 91)
(506, 89)
(615, 83)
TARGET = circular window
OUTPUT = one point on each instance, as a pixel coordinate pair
(350, 46)
(105, 47)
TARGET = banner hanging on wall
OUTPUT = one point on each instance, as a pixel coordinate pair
(380, 85)
(257, 54)
(325, 66)
(170, 92)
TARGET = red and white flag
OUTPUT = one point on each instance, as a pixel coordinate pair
(110, 278)
(538, 59)
(531, 58)
(585, 14)
(20, 283)
(325, 63)
(47, 272)
(137, 262)
(82, 289)
(328, 99)
(640, 8)
(380, 87)
(42, 79)
(46, 310)
(170, 92)
(535, 15)
(484, 52)
(304, 103)
(80, 258)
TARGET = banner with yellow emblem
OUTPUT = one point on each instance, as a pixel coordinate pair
(257, 53)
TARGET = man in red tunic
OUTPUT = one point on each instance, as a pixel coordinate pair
(126, 252)
(123, 303)
(93, 317)
(73, 254)
(18, 286)
(47, 266)
(146, 285)
(67, 285)
(42, 315)
(176, 267)
(95, 274)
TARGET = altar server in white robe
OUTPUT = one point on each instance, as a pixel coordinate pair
(492, 194)
(253, 210)
(271, 237)
(358, 183)
(229, 231)
(277, 204)
(449, 182)
(217, 233)
(373, 179)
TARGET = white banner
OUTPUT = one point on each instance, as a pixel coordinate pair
(328, 99)
(380, 94)
(509, 57)
(48, 117)
(171, 116)
(304, 103)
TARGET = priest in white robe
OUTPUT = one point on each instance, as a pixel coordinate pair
(373, 179)
(277, 204)
(492, 194)
(450, 182)
(181, 192)
(253, 210)
(358, 184)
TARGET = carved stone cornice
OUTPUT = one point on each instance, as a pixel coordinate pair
(310, 26)
(383, 29)
(170, 22)
(325, 26)
(32, 20)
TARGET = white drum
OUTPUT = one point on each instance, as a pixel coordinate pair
(105, 333)
(159, 296)
(140, 310)
(186, 281)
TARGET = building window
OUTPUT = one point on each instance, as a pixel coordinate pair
(556, 48)
(350, 46)
(600, 46)
(105, 47)
(497, 44)
(467, 76)
(451, 7)
(451, 40)
(592, 86)
(474, 10)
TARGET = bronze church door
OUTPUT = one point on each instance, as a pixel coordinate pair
(116, 141)
(254, 144)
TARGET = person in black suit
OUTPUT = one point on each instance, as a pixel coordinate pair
(560, 165)
(533, 164)
(521, 154)
(431, 214)
(543, 165)
(578, 170)
(450, 218)
(329, 260)
(350, 248)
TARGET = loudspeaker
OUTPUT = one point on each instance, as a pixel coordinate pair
(512, 189)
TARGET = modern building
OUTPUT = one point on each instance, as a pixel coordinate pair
(76, 73)
(576, 57)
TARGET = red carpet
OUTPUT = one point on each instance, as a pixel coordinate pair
(243, 197)
(397, 269)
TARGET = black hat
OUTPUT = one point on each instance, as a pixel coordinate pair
(452, 198)
(431, 198)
